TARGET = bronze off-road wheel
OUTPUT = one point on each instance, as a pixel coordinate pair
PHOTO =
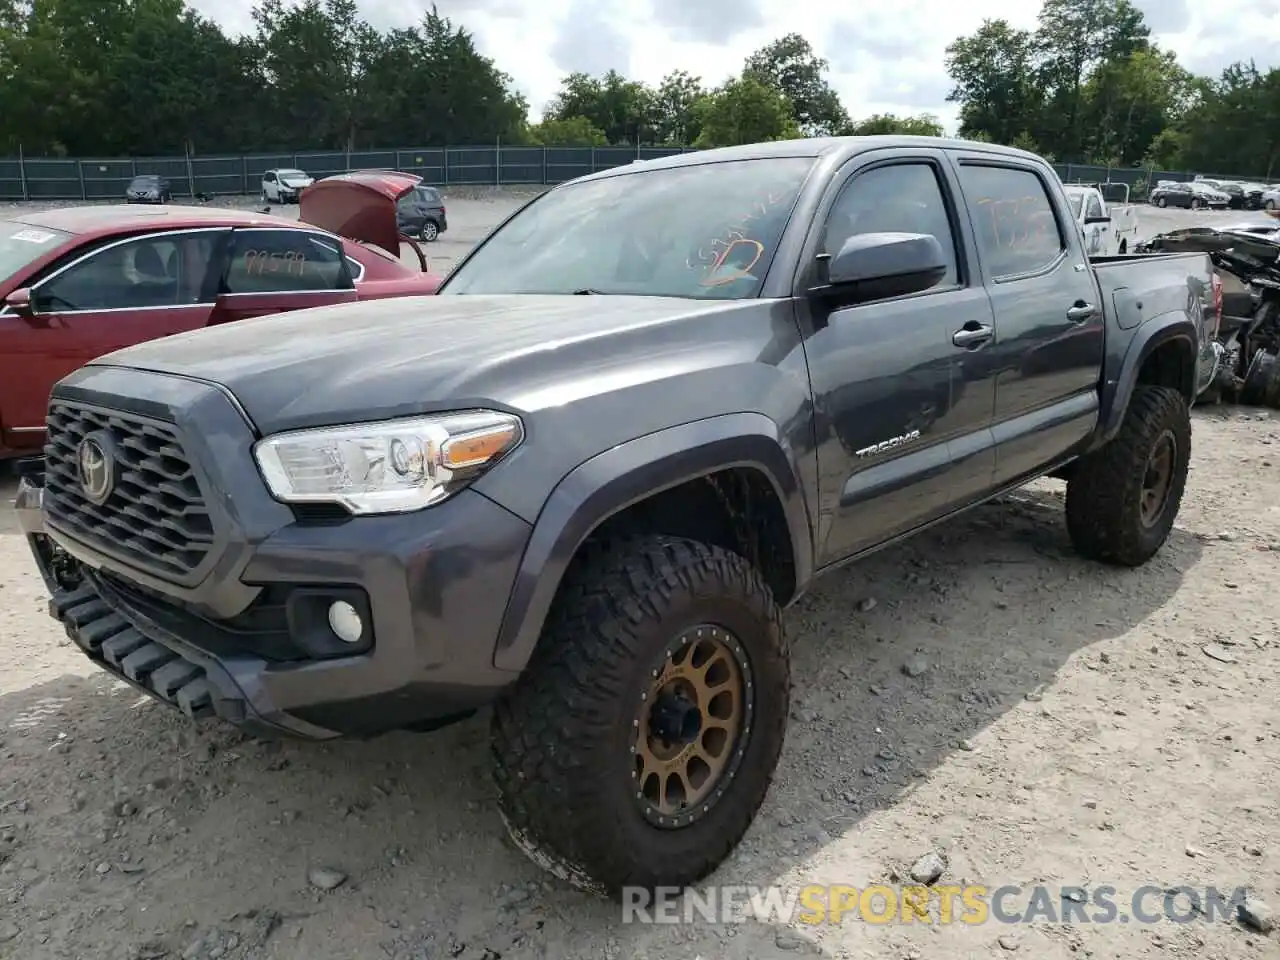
(1122, 499)
(642, 739)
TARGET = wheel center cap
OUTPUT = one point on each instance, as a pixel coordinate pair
(675, 719)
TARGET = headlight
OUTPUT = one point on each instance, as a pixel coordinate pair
(393, 466)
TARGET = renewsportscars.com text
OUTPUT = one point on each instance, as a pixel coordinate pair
(971, 905)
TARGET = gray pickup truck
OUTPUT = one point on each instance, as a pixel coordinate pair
(581, 483)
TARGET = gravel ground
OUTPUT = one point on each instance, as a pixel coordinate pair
(979, 693)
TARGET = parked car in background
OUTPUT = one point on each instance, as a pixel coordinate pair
(1193, 196)
(421, 213)
(79, 282)
(1253, 193)
(1236, 198)
(284, 186)
(148, 188)
(1271, 199)
(1109, 229)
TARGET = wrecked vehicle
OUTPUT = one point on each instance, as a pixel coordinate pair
(1247, 259)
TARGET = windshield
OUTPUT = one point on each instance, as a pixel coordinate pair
(1077, 201)
(707, 231)
(21, 244)
(292, 174)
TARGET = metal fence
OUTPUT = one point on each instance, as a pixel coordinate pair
(31, 178)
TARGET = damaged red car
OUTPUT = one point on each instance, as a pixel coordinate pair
(80, 282)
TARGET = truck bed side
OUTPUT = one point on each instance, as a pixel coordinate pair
(1148, 298)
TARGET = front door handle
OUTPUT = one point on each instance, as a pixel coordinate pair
(971, 335)
(1081, 311)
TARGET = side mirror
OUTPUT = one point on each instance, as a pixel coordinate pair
(1103, 219)
(20, 302)
(871, 266)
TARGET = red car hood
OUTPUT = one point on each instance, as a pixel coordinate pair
(359, 206)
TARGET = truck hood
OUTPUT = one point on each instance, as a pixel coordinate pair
(405, 356)
(359, 206)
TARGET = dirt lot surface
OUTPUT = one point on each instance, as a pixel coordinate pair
(979, 693)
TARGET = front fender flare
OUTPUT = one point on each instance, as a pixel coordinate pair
(1117, 390)
(612, 481)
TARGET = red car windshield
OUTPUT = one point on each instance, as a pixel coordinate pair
(21, 244)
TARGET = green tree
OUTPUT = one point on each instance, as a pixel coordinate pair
(570, 132)
(315, 57)
(744, 110)
(1234, 125)
(622, 108)
(674, 109)
(924, 125)
(1129, 102)
(1074, 37)
(994, 79)
(790, 67)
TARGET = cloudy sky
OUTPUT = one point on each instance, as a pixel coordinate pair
(885, 58)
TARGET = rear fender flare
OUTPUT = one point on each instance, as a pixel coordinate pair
(614, 480)
(1147, 339)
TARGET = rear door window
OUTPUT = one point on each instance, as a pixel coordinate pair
(284, 261)
(1013, 218)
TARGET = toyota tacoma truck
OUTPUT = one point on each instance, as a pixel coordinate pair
(581, 483)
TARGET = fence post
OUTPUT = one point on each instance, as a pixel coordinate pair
(22, 173)
(544, 164)
(593, 159)
(80, 171)
(444, 163)
(497, 163)
(191, 174)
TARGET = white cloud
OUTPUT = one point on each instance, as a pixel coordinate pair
(885, 58)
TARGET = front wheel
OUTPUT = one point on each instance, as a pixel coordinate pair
(1162, 202)
(1122, 499)
(1269, 205)
(1196, 204)
(642, 739)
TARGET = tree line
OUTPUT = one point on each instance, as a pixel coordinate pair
(153, 77)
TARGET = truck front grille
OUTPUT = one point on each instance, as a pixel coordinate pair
(155, 517)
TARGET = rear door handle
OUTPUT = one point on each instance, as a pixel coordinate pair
(1081, 311)
(972, 334)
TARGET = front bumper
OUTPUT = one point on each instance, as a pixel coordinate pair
(429, 579)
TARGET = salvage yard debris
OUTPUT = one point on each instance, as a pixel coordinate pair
(1247, 259)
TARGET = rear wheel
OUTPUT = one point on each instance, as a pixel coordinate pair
(1122, 499)
(639, 744)
(430, 231)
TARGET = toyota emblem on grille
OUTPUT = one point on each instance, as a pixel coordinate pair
(96, 469)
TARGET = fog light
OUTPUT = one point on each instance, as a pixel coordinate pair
(345, 622)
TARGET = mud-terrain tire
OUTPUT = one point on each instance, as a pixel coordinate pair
(566, 740)
(1123, 498)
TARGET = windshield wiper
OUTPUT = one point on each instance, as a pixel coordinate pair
(587, 292)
